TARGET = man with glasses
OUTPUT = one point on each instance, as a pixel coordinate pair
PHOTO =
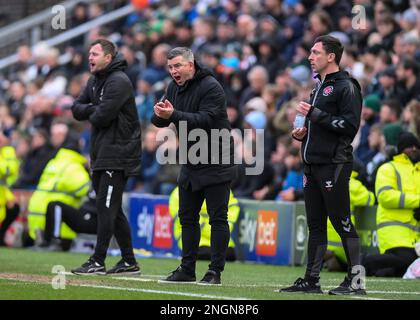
(195, 100)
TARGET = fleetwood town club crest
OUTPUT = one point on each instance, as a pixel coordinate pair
(327, 91)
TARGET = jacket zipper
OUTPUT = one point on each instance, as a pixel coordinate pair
(309, 123)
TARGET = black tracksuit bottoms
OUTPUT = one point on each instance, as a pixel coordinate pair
(326, 192)
(78, 221)
(190, 202)
(109, 187)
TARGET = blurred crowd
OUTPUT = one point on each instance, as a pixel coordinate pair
(257, 49)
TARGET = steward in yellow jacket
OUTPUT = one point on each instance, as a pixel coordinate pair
(204, 246)
(64, 179)
(397, 189)
(9, 169)
(359, 196)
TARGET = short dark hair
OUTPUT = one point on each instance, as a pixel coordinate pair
(107, 46)
(394, 105)
(411, 64)
(331, 45)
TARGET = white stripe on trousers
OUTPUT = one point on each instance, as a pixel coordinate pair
(57, 221)
(108, 196)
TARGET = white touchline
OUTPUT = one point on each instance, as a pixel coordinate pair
(198, 295)
(186, 294)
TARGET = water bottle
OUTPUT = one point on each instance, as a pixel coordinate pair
(299, 121)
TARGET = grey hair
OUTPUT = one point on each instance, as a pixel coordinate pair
(185, 52)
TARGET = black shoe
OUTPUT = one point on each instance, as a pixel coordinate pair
(179, 276)
(211, 278)
(90, 267)
(348, 288)
(124, 268)
(305, 286)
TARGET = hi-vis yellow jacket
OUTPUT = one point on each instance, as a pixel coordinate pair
(9, 169)
(233, 214)
(397, 188)
(64, 179)
(359, 196)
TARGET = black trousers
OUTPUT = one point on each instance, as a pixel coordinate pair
(109, 186)
(11, 215)
(326, 192)
(393, 263)
(190, 202)
(78, 221)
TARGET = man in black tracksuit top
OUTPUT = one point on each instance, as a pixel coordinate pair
(195, 100)
(332, 121)
(107, 102)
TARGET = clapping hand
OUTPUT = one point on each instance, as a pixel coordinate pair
(164, 109)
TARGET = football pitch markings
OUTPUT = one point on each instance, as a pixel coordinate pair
(155, 278)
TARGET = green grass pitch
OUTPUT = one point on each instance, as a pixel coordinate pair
(27, 274)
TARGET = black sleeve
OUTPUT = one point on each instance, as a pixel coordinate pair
(348, 120)
(116, 93)
(82, 107)
(211, 106)
(160, 122)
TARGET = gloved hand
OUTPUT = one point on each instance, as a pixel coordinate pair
(417, 214)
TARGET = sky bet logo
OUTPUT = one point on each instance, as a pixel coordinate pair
(266, 233)
(155, 228)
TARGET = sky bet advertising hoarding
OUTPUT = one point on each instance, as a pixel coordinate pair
(267, 232)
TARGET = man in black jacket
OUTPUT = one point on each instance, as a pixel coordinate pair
(196, 101)
(107, 102)
(332, 121)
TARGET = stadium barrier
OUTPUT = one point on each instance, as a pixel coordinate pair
(265, 232)
(272, 232)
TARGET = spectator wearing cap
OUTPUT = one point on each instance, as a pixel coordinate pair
(397, 189)
(370, 110)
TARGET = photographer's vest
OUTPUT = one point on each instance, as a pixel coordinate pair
(398, 192)
(9, 169)
(64, 179)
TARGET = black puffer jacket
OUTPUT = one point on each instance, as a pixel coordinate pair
(201, 104)
(333, 120)
(108, 103)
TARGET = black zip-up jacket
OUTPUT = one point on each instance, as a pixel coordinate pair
(201, 103)
(333, 120)
(107, 102)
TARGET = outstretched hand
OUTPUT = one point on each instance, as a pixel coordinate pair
(164, 109)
